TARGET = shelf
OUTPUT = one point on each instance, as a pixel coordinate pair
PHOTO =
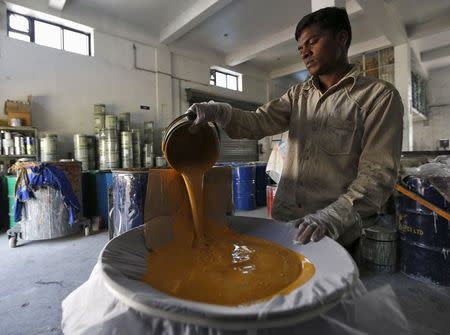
(19, 129)
(17, 156)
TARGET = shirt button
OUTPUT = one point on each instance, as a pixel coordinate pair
(300, 183)
(314, 127)
(307, 157)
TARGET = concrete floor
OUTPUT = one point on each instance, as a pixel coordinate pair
(36, 276)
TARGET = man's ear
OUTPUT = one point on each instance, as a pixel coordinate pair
(342, 38)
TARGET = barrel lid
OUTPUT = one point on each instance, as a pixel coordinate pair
(381, 233)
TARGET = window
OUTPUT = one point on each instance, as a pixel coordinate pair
(53, 35)
(225, 79)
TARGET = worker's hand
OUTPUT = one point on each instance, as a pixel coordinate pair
(310, 228)
(203, 112)
(331, 220)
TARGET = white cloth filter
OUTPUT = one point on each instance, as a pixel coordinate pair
(115, 301)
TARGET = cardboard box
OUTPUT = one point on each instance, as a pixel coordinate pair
(19, 110)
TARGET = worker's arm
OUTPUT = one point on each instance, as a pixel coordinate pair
(377, 173)
(270, 119)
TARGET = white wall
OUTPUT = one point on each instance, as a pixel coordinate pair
(427, 133)
(65, 86)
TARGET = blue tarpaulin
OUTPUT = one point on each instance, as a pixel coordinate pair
(49, 176)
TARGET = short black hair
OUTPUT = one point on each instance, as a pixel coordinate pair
(334, 19)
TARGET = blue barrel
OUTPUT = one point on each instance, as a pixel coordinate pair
(244, 187)
(96, 186)
(261, 182)
(129, 188)
(424, 235)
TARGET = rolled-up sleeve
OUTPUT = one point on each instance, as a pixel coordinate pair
(380, 157)
(269, 119)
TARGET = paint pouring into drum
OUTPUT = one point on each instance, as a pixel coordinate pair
(209, 262)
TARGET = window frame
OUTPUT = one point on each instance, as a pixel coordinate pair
(31, 33)
(213, 72)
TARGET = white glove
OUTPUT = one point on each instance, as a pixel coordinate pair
(217, 112)
(328, 221)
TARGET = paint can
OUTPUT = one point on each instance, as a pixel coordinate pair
(99, 117)
(148, 132)
(111, 122)
(182, 147)
(29, 145)
(124, 121)
(244, 190)
(160, 162)
(129, 188)
(92, 152)
(48, 147)
(149, 157)
(19, 144)
(108, 149)
(15, 122)
(100, 109)
(271, 190)
(424, 235)
(379, 248)
(81, 151)
(126, 149)
(137, 157)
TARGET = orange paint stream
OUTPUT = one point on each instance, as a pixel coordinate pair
(221, 266)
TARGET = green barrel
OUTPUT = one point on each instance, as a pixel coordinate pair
(11, 185)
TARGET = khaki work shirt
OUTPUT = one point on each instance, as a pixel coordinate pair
(345, 142)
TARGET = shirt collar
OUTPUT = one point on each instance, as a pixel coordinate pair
(350, 77)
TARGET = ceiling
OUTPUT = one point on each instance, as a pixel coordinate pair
(260, 32)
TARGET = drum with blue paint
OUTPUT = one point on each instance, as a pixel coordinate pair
(424, 235)
(244, 187)
(129, 188)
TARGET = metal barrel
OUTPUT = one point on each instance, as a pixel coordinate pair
(125, 121)
(424, 235)
(99, 117)
(148, 132)
(92, 152)
(137, 156)
(81, 150)
(48, 147)
(111, 122)
(100, 109)
(244, 188)
(126, 149)
(108, 149)
(129, 189)
(149, 156)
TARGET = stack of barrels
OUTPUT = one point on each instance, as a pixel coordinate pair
(424, 234)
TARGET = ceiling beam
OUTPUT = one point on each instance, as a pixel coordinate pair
(383, 15)
(355, 49)
(434, 25)
(57, 4)
(433, 54)
(190, 18)
(272, 41)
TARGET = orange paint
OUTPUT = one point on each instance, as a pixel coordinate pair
(222, 266)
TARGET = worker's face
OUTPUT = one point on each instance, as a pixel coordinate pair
(321, 50)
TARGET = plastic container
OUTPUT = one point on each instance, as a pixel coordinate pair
(271, 190)
(11, 187)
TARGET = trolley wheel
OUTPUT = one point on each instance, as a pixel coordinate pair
(87, 230)
(12, 242)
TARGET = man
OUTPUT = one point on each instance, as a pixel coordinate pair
(345, 134)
